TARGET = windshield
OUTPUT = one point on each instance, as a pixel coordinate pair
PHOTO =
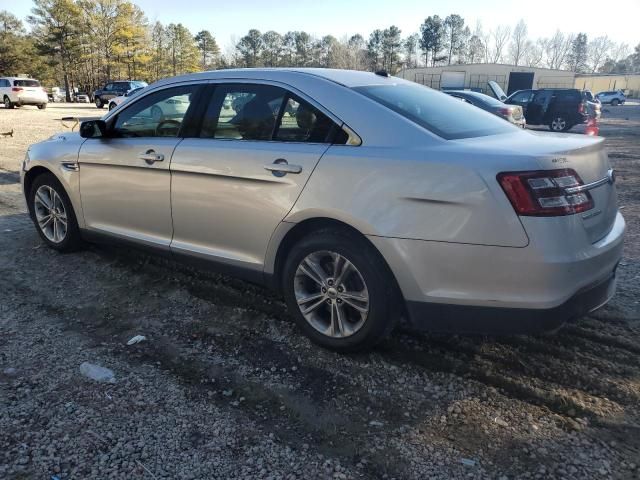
(439, 113)
(26, 83)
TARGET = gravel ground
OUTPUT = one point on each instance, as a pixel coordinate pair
(225, 387)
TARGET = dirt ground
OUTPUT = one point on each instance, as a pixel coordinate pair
(226, 387)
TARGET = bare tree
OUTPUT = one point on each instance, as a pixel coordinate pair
(620, 51)
(598, 50)
(557, 49)
(519, 43)
(499, 37)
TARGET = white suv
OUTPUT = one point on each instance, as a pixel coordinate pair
(16, 92)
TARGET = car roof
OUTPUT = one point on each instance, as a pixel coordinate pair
(347, 78)
(20, 78)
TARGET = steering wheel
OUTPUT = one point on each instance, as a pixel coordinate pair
(166, 122)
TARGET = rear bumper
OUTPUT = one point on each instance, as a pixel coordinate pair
(437, 317)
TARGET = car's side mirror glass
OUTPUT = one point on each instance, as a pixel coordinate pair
(93, 129)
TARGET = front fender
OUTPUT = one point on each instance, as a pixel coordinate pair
(59, 156)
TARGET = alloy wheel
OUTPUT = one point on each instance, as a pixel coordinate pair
(50, 214)
(558, 124)
(331, 294)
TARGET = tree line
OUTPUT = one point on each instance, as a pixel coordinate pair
(84, 43)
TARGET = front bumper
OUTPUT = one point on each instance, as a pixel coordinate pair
(464, 319)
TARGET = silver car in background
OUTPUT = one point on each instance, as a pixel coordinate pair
(361, 197)
(511, 113)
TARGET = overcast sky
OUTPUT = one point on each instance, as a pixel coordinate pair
(232, 19)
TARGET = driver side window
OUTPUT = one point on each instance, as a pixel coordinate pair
(159, 114)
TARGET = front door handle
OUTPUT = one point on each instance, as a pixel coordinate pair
(281, 167)
(150, 156)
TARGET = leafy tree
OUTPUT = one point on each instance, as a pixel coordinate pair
(476, 49)
(391, 45)
(375, 49)
(273, 46)
(209, 50)
(411, 50)
(251, 47)
(431, 38)
(578, 56)
(11, 39)
(56, 30)
(455, 35)
(304, 47)
(184, 55)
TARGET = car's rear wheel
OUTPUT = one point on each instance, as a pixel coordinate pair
(559, 123)
(7, 102)
(615, 102)
(42, 106)
(340, 291)
(99, 103)
(156, 114)
(53, 214)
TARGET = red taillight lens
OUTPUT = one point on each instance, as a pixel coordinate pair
(542, 193)
(581, 108)
(504, 111)
(16, 89)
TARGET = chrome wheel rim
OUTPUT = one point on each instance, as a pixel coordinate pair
(331, 294)
(558, 123)
(50, 214)
(7, 102)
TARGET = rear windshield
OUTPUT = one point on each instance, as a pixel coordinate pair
(26, 83)
(438, 112)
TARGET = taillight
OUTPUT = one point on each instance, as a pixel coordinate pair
(504, 111)
(542, 193)
(581, 108)
(16, 89)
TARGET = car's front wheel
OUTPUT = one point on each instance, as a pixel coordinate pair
(615, 102)
(8, 103)
(112, 105)
(53, 214)
(99, 103)
(339, 290)
(42, 106)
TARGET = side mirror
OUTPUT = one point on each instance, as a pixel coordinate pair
(93, 129)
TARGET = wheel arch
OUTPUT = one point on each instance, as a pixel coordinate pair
(315, 224)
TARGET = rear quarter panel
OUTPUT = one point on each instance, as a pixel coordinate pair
(446, 193)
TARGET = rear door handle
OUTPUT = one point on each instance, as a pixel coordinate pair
(150, 156)
(281, 167)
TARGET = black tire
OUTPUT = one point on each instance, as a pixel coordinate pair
(383, 293)
(99, 103)
(42, 106)
(615, 102)
(8, 103)
(112, 106)
(72, 240)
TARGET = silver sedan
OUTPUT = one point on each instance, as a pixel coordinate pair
(361, 197)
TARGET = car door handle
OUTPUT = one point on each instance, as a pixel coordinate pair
(150, 156)
(280, 168)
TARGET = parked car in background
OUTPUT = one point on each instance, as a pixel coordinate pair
(57, 94)
(558, 108)
(81, 97)
(614, 97)
(114, 102)
(362, 198)
(511, 113)
(16, 92)
(115, 89)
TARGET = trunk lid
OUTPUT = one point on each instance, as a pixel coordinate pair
(588, 157)
(497, 91)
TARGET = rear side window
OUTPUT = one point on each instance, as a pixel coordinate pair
(568, 95)
(437, 112)
(301, 122)
(26, 83)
